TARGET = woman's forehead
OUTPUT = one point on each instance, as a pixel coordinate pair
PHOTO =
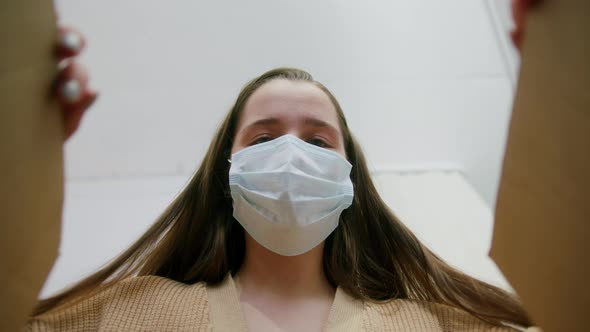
(290, 100)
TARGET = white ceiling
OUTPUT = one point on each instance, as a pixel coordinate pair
(423, 83)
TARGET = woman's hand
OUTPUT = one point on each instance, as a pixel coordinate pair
(71, 85)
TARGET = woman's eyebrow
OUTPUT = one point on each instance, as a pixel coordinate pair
(262, 122)
(320, 124)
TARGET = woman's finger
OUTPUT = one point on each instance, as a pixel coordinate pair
(70, 43)
(71, 83)
(70, 87)
(72, 114)
(74, 95)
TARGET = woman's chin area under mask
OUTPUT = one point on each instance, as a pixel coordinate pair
(281, 107)
(266, 272)
(279, 291)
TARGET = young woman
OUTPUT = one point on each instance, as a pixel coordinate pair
(280, 229)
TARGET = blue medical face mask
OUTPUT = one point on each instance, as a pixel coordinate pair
(289, 194)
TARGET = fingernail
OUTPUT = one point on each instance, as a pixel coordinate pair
(72, 41)
(71, 91)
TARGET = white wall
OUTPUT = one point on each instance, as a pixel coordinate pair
(422, 82)
(102, 218)
(425, 85)
(447, 215)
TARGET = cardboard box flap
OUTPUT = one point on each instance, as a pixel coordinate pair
(31, 172)
(542, 228)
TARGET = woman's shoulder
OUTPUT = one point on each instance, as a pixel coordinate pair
(146, 287)
(133, 304)
(411, 315)
(149, 290)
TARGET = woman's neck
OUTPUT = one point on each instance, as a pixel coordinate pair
(264, 271)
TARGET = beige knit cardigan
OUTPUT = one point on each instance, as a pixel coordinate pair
(153, 303)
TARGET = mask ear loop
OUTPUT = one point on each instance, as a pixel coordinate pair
(227, 192)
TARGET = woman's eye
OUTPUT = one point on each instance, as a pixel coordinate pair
(318, 142)
(261, 139)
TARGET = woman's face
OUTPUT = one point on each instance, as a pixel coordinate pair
(281, 107)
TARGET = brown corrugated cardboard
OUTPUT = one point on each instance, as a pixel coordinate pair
(31, 171)
(542, 230)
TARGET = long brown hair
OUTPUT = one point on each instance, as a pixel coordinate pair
(371, 254)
